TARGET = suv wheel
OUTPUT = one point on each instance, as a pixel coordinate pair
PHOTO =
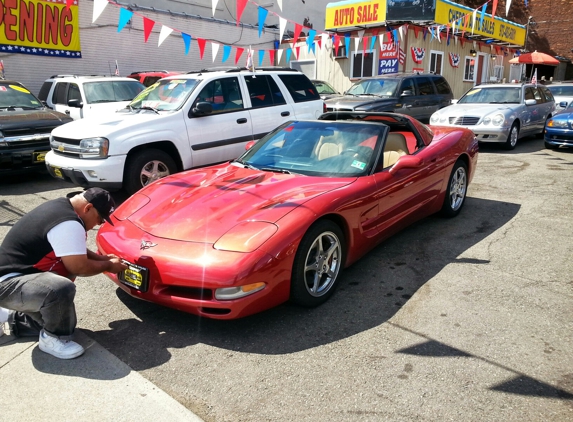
(145, 167)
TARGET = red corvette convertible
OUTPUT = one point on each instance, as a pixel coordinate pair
(284, 219)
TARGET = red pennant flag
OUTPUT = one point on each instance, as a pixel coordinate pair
(147, 27)
(297, 51)
(238, 55)
(319, 42)
(272, 57)
(416, 31)
(336, 44)
(365, 42)
(493, 8)
(201, 43)
(241, 4)
(297, 29)
(69, 3)
(462, 39)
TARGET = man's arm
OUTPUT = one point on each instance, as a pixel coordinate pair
(83, 266)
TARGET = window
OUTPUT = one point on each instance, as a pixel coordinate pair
(342, 53)
(362, 64)
(537, 96)
(264, 91)
(74, 92)
(436, 62)
(44, 91)
(469, 68)
(223, 94)
(59, 96)
(498, 67)
(407, 85)
(442, 86)
(529, 95)
(300, 88)
(425, 86)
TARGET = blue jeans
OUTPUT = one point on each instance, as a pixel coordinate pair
(41, 300)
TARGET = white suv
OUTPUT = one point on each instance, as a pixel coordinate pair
(88, 96)
(181, 122)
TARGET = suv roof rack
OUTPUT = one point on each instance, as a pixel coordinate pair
(149, 71)
(77, 76)
(243, 69)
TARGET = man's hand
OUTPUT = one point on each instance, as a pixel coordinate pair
(117, 265)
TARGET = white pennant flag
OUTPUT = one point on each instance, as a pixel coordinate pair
(99, 5)
(214, 4)
(282, 26)
(324, 39)
(358, 39)
(400, 33)
(381, 40)
(507, 5)
(279, 55)
(164, 33)
(214, 50)
(280, 2)
(474, 20)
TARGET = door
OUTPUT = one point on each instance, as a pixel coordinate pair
(429, 102)
(409, 101)
(62, 92)
(222, 135)
(268, 106)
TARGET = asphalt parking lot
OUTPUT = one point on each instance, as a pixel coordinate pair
(467, 319)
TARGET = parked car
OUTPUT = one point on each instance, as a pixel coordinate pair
(88, 96)
(416, 94)
(563, 94)
(559, 129)
(501, 113)
(181, 122)
(325, 90)
(25, 126)
(283, 220)
(149, 77)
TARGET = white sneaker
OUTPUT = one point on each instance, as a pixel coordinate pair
(3, 318)
(59, 348)
(1, 329)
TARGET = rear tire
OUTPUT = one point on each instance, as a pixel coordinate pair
(145, 167)
(512, 137)
(457, 189)
(317, 264)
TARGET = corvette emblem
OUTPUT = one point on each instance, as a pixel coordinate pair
(146, 245)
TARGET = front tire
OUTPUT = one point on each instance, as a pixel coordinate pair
(317, 264)
(512, 137)
(147, 166)
(550, 146)
(457, 189)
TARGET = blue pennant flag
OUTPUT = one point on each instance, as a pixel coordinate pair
(288, 53)
(310, 40)
(261, 56)
(262, 16)
(187, 41)
(124, 17)
(226, 52)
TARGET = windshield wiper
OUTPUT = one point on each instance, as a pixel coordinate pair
(372, 95)
(149, 108)
(246, 165)
(276, 170)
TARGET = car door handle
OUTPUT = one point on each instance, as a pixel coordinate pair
(285, 113)
(242, 120)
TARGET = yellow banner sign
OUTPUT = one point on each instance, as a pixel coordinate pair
(355, 13)
(497, 28)
(40, 27)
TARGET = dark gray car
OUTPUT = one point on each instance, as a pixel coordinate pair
(418, 95)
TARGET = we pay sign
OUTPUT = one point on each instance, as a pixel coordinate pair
(387, 66)
(388, 62)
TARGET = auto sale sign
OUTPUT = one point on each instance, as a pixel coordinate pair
(40, 27)
(355, 13)
(388, 58)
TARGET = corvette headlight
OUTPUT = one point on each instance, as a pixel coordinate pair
(94, 148)
(230, 293)
(495, 120)
(247, 236)
(557, 123)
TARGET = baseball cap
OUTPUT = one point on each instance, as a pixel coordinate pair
(102, 202)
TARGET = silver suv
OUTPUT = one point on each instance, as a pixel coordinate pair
(88, 96)
(500, 113)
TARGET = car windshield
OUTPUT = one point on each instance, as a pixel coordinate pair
(165, 94)
(16, 96)
(111, 91)
(563, 90)
(379, 87)
(324, 88)
(317, 148)
(497, 95)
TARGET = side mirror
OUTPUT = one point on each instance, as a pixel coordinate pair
(75, 103)
(563, 104)
(530, 102)
(406, 162)
(407, 93)
(202, 109)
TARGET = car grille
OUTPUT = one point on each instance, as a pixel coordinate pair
(67, 140)
(68, 152)
(464, 120)
(27, 137)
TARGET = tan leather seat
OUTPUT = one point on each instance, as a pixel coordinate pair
(390, 158)
(327, 147)
(396, 142)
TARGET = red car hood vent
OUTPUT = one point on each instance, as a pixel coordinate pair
(201, 205)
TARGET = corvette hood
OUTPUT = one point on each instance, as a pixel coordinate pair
(201, 205)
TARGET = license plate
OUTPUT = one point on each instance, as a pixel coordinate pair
(39, 157)
(135, 276)
(57, 172)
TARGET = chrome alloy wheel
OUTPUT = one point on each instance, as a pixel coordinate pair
(513, 136)
(458, 188)
(323, 262)
(153, 171)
